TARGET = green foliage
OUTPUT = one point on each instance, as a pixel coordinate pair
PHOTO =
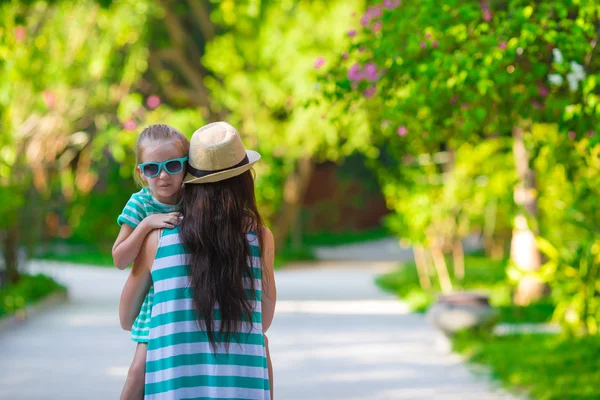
(66, 68)
(444, 77)
(28, 290)
(471, 192)
(546, 367)
(569, 193)
(265, 75)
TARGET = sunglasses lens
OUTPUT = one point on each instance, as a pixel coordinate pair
(150, 170)
(174, 167)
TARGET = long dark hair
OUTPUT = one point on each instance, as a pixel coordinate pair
(216, 218)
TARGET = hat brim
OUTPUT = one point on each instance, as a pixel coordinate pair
(253, 157)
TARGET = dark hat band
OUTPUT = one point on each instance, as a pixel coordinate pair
(200, 173)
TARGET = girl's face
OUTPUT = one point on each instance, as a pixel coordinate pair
(165, 187)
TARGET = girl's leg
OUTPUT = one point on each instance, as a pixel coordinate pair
(134, 385)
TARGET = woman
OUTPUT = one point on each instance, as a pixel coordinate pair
(214, 288)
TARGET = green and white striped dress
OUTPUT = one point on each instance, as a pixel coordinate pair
(139, 206)
(180, 362)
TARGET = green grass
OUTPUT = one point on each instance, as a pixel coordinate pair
(547, 367)
(89, 257)
(481, 274)
(345, 237)
(103, 258)
(28, 290)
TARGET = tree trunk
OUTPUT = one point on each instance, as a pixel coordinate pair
(422, 267)
(524, 252)
(458, 259)
(11, 254)
(293, 194)
(441, 267)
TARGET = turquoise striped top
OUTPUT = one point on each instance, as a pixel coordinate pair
(142, 204)
(180, 362)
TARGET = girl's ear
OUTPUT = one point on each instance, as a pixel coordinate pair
(139, 171)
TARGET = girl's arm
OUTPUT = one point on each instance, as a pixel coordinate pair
(269, 289)
(128, 243)
(138, 283)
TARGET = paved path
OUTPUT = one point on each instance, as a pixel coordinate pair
(335, 336)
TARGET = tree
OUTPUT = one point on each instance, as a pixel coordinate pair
(66, 67)
(465, 72)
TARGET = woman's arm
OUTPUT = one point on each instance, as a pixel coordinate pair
(138, 283)
(269, 290)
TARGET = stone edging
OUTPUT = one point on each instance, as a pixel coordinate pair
(33, 309)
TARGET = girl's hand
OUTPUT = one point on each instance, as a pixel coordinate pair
(159, 221)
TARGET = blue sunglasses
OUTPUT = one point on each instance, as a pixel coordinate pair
(172, 167)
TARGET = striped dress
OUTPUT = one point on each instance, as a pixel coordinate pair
(180, 362)
(139, 206)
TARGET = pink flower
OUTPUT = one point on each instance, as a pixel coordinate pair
(319, 62)
(370, 72)
(130, 125)
(362, 49)
(485, 9)
(370, 92)
(371, 13)
(590, 133)
(464, 106)
(537, 104)
(428, 36)
(153, 102)
(572, 135)
(20, 33)
(453, 100)
(402, 131)
(351, 33)
(49, 98)
(355, 73)
(423, 44)
(434, 44)
(390, 5)
(543, 90)
(377, 26)
(345, 56)
(502, 45)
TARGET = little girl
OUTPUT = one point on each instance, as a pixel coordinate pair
(161, 152)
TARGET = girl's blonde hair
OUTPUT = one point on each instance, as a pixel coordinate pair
(158, 132)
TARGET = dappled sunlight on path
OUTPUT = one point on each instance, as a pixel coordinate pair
(347, 340)
(335, 336)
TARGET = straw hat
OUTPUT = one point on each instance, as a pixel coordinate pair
(217, 153)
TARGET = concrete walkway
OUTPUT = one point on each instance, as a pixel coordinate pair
(335, 336)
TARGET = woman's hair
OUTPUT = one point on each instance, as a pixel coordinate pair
(159, 132)
(216, 218)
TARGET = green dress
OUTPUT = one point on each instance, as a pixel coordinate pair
(180, 362)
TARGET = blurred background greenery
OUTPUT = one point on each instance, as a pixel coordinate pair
(432, 122)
